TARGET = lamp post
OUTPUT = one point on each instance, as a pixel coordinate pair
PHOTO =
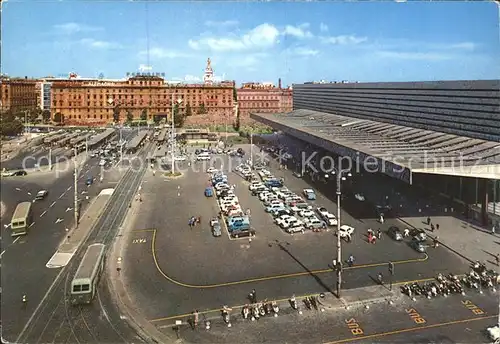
(75, 188)
(339, 266)
(179, 101)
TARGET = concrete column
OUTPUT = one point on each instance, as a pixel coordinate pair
(494, 195)
(477, 191)
(484, 203)
(460, 190)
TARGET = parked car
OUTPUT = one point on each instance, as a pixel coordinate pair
(395, 233)
(359, 197)
(330, 219)
(314, 223)
(306, 213)
(216, 230)
(284, 211)
(309, 194)
(418, 234)
(417, 245)
(295, 228)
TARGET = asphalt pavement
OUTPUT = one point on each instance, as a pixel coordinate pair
(172, 270)
(56, 320)
(439, 320)
(36, 157)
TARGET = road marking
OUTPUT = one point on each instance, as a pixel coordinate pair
(53, 203)
(472, 307)
(68, 209)
(15, 240)
(59, 220)
(411, 329)
(45, 212)
(29, 193)
(18, 189)
(62, 195)
(415, 316)
(267, 278)
(139, 241)
(354, 327)
(69, 188)
(7, 225)
(31, 225)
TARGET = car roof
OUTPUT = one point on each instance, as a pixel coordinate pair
(308, 190)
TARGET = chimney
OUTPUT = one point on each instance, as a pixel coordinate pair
(279, 83)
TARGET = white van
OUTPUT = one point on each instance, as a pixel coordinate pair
(203, 156)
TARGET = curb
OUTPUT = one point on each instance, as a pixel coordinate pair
(443, 244)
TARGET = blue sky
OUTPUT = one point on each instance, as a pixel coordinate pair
(254, 41)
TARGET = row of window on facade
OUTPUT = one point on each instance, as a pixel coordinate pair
(135, 90)
(125, 96)
(139, 102)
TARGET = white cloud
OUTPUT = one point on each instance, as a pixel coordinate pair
(300, 31)
(262, 36)
(463, 46)
(343, 39)
(323, 27)
(426, 56)
(304, 51)
(160, 53)
(224, 23)
(97, 44)
(72, 28)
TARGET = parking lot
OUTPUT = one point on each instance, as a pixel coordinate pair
(169, 261)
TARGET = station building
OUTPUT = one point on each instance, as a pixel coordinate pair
(443, 136)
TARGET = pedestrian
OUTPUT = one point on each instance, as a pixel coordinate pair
(428, 221)
(406, 232)
(25, 300)
(380, 278)
(382, 219)
(379, 234)
(432, 227)
(253, 296)
(436, 242)
(497, 259)
(370, 237)
(493, 230)
(195, 318)
(351, 260)
(437, 226)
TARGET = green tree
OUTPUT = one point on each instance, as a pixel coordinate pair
(45, 116)
(116, 113)
(179, 117)
(202, 110)
(189, 111)
(33, 115)
(59, 118)
(144, 115)
(130, 116)
(237, 122)
(11, 128)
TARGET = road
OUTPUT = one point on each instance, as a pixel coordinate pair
(172, 270)
(24, 258)
(36, 156)
(56, 321)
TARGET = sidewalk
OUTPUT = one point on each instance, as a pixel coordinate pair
(360, 297)
(469, 241)
(78, 235)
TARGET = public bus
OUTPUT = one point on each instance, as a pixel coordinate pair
(84, 284)
(22, 219)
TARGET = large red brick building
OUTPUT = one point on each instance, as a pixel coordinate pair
(253, 97)
(18, 94)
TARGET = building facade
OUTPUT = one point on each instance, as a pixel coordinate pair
(464, 108)
(263, 98)
(18, 94)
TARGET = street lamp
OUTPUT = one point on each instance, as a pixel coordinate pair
(341, 176)
(174, 102)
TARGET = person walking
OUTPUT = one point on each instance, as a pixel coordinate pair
(195, 318)
(253, 296)
(432, 227)
(379, 234)
(350, 260)
(493, 229)
(497, 259)
(406, 232)
(428, 221)
(380, 278)
(437, 226)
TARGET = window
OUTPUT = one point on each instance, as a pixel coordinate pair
(86, 287)
(77, 288)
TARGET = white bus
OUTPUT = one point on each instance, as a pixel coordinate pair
(22, 219)
(84, 284)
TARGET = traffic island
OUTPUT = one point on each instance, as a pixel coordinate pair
(174, 175)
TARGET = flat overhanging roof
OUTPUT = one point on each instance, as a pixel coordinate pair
(394, 147)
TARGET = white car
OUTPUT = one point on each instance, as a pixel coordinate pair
(300, 206)
(306, 213)
(359, 197)
(322, 211)
(330, 219)
(266, 196)
(295, 228)
(254, 186)
(493, 333)
(279, 220)
(314, 223)
(212, 170)
(180, 158)
(346, 231)
(290, 222)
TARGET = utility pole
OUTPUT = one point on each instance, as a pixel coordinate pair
(251, 148)
(86, 146)
(76, 189)
(173, 132)
(339, 242)
(50, 158)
